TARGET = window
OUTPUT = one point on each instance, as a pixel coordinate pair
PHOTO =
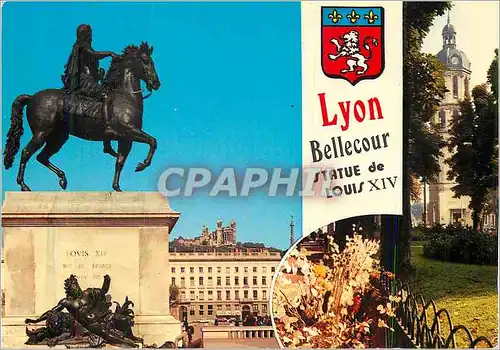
(228, 307)
(442, 118)
(273, 269)
(200, 281)
(191, 295)
(228, 269)
(245, 294)
(236, 295)
(264, 269)
(264, 308)
(191, 281)
(455, 86)
(264, 294)
(219, 269)
(201, 295)
(236, 281)
(191, 311)
(466, 87)
(210, 269)
(200, 269)
(236, 269)
(219, 307)
(183, 270)
(255, 295)
(219, 281)
(245, 281)
(191, 269)
(255, 308)
(255, 269)
(254, 280)
(173, 281)
(210, 281)
(228, 295)
(172, 269)
(219, 295)
(183, 294)
(246, 269)
(210, 295)
(202, 311)
(264, 280)
(210, 310)
(236, 306)
(183, 282)
(228, 281)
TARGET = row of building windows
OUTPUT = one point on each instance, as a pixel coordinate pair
(227, 294)
(210, 282)
(219, 269)
(210, 309)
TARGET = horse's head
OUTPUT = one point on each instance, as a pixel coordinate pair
(140, 62)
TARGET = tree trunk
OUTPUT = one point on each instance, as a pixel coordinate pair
(404, 229)
(476, 220)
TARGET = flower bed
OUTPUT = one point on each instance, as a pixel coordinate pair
(340, 301)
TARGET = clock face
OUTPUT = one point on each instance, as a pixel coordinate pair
(454, 60)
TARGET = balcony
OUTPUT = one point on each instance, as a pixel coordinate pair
(252, 332)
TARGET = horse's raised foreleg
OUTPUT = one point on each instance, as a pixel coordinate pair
(34, 145)
(53, 145)
(124, 147)
(108, 149)
(138, 135)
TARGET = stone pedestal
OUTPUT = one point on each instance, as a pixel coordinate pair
(51, 235)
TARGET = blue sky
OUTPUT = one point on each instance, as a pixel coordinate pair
(230, 97)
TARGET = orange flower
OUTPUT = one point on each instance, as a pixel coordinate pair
(320, 271)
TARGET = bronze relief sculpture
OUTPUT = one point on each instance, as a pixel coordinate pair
(92, 105)
(85, 317)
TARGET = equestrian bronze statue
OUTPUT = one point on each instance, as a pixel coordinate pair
(92, 105)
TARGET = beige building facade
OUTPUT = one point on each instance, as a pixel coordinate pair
(223, 284)
(442, 207)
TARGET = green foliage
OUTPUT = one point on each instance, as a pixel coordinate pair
(174, 294)
(423, 89)
(474, 145)
(493, 76)
(462, 245)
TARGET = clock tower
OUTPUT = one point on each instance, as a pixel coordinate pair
(442, 207)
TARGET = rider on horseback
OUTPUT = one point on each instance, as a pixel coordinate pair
(82, 73)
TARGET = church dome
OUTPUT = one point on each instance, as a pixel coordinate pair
(448, 28)
(453, 58)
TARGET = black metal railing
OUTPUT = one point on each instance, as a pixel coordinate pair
(421, 324)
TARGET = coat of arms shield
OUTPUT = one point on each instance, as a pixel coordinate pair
(352, 42)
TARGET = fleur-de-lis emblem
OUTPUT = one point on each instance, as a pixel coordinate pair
(353, 16)
(335, 16)
(371, 17)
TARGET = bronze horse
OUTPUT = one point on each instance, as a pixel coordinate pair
(54, 114)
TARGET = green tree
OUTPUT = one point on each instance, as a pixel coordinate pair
(474, 146)
(493, 76)
(174, 294)
(423, 89)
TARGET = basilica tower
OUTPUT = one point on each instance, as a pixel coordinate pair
(442, 207)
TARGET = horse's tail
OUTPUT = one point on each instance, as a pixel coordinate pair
(16, 130)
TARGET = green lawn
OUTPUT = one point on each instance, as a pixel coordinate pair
(468, 292)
